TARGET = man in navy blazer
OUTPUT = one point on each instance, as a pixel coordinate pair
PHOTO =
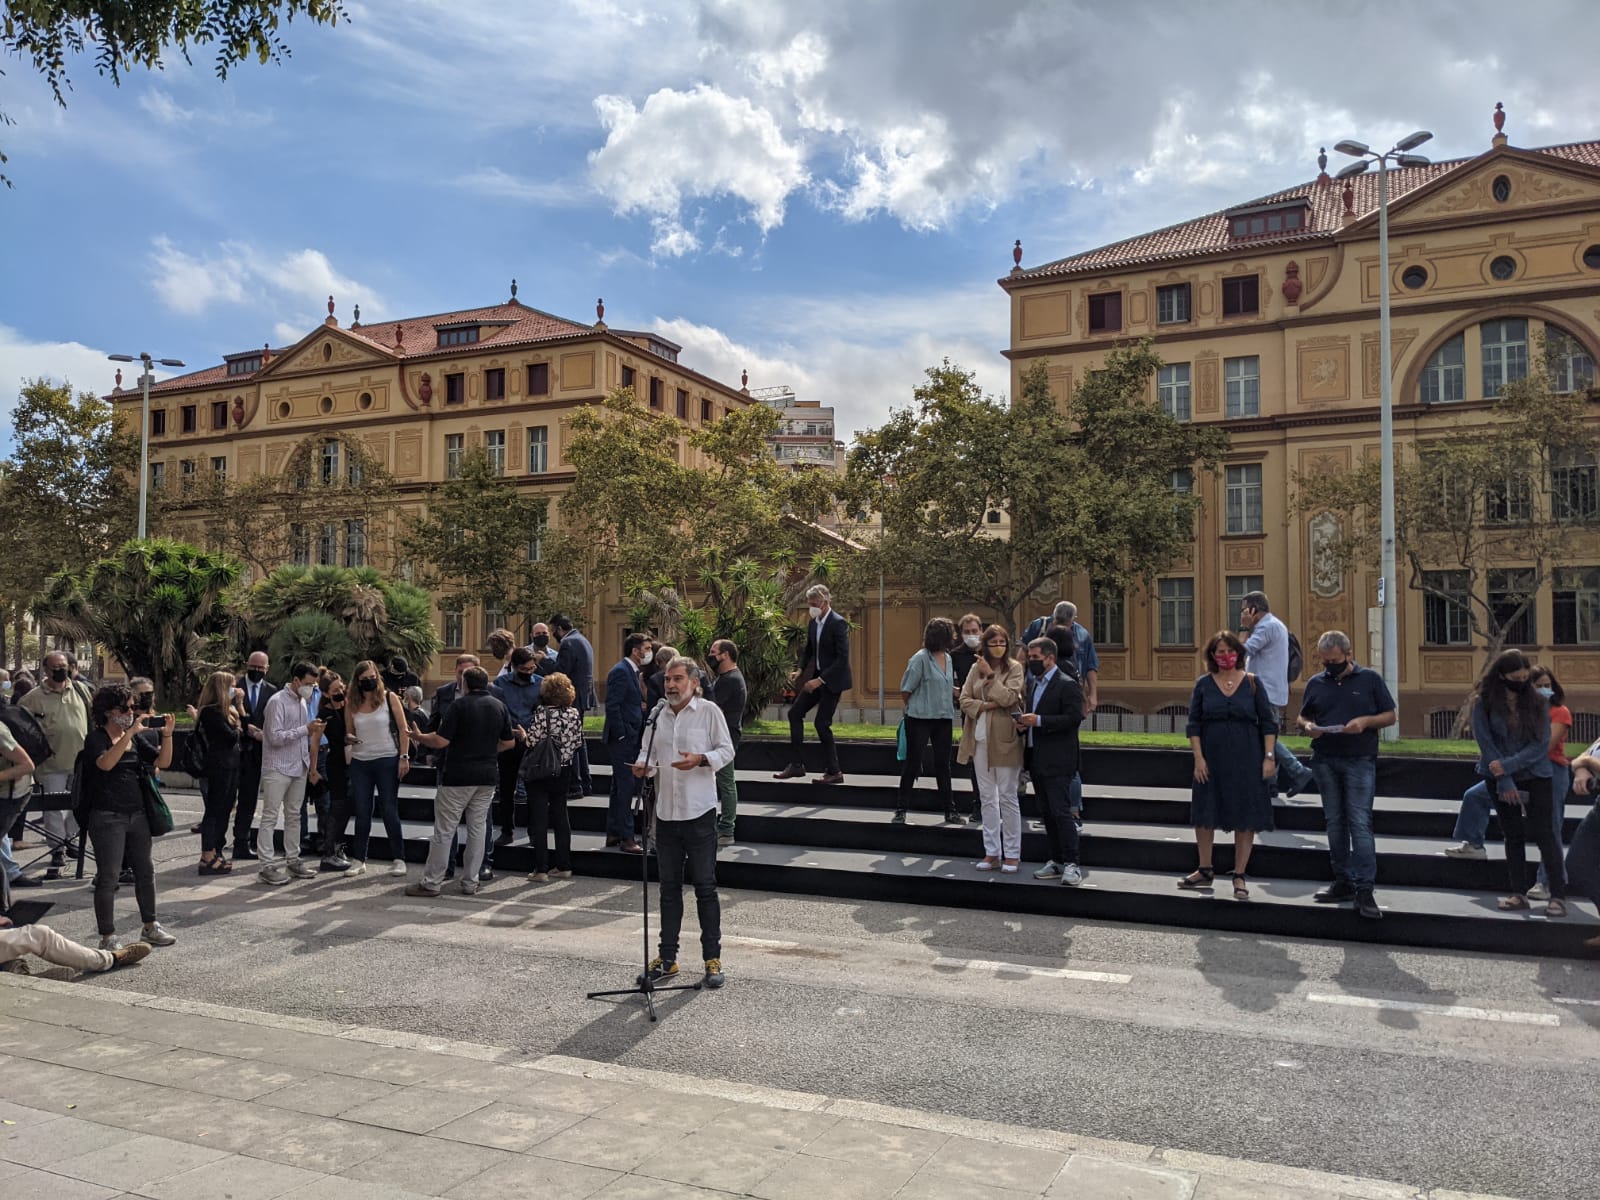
(1049, 727)
(624, 730)
(824, 677)
(575, 660)
(257, 691)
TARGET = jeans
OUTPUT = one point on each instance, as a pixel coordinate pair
(1583, 857)
(53, 948)
(688, 849)
(1472, 825)
(222, 786)
(7, 863)
(825, 702)
(1347, 786)
(547, 810)
(505, 803)
(452, 806)
(727, 801)
(921, 732)
(1533, 822)
(1292, 773)
(997, 798)
(338, 801)
(287, 792)
(380, 776)
(1560, 785)
(249, 788)
(1055, 800)
(121, 839)
(619, 815)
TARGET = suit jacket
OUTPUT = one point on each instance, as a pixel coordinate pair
(256, 716)
(835, 653)
(624, 704)
(442, 700)
(1055, 738)
(575, 660)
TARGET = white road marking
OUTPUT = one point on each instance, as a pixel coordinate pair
(979, 964)
(1462, 1011)
(1575, 1000)
(769, 943)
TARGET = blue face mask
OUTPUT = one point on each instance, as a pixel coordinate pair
(1545, 692)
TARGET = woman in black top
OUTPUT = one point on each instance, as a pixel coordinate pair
(333, 812)
(113, 763)
(219, 722)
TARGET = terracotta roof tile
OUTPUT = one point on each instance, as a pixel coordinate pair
(1209, 233)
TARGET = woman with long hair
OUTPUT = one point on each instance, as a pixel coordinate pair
(219, 720)
(547, 798)
(1511, 722)
(377, 751)
(991, 693)
(928, 695)
(115, 760)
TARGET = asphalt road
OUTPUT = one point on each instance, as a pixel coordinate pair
(1467, 1071)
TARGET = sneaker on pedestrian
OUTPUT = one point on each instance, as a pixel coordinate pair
(559, 873)
(659, 970)
(421, 889)
(155, 935)
(1466, 850)
(468, 888)
(724, 840)
(1072, 875)
(302, 870)
(275, 874)
(52, 873)
(1537, 892)
(110, 941)
(126, 956)
(539, 877)
(485, 873)
(397, 867)
(355, 868)
(714, 977)
(335, 866)
(1338, 892)
(1051, 870)
(1367, 905)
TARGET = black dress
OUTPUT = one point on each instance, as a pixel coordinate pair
(1232, 731)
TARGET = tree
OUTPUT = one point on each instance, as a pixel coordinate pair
(125, 36)
(482, 541)
(147, 604)
(1486, 509)
(1085, 491)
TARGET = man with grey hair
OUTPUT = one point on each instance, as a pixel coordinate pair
(1267, 653)
(1343, 708)
(1085, 662)
(824, 676)
(61, 705)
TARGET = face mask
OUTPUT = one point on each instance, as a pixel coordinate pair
(1517, 685)
(814, 611)
(144, 702)
(255, 674)
(1227, 661)
(972, 640)
(1545, 692)
(368, 684)
(541, 641)
(5, 687)
(123, 720)
(524, 677)
(1336, 669)
(58, 674)
(336, 698)
(1035, 667)
(304, 691)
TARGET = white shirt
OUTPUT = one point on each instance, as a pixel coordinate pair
(699, 728)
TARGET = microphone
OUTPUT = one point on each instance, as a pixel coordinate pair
(661, 706)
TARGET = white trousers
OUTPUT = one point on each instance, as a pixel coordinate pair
(1002, 815)
(288, 793)
(53, 948)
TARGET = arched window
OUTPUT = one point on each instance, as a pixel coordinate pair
(1570, 366)
(1444, 378)
(1505, 353)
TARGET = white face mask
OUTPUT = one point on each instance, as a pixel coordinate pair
(971, 640)
(1545, 692)
(304, 691)
(814, 611)
(124, 720)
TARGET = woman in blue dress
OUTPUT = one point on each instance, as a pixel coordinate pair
(1232, 730)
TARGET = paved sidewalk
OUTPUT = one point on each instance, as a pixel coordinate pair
(116, 1094)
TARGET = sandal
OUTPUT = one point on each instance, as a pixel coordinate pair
(216, 866)
(1200, 877)
(1240, 892)
(1512, 903)
(1556, 908)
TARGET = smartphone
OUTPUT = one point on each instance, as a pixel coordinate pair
(1016, 714)
(153, 722)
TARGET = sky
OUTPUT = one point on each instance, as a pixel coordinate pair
(823, 195)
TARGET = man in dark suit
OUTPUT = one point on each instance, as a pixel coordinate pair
(824, 677)
(257, 691)
(624, 731)
(575, 660)
(1050, 732)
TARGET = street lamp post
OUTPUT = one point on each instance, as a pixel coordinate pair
(144, 425)
(1388, 569)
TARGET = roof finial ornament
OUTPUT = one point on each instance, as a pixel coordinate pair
(118, 388)
(744, 382)
(513, 289)
(1499, 138)
(1323, 179)
(356, 323)
(1349, 198)
(266, 353)
(399, 337)
(600, 313)
(331, 321)
(1016, 255)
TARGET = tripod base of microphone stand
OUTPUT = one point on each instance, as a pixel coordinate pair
(648, 990)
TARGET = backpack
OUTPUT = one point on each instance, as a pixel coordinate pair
(25, 727)
(193, 762)
(1297, 660)
(81, 789)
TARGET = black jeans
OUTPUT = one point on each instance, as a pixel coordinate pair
(249, 789)
(547, 809)
(121, 839)
(1055, 800)
(1537, 823)
(920, 733)
(222, 787)
(689, 848)
(505, 800)
(334, 825)
(825, 702)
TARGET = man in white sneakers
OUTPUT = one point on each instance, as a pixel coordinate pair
(288, 739)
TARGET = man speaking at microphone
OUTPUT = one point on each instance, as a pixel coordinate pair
(691, 743)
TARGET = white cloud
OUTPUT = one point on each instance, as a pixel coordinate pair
(84, 367)
(164, 108)
(492, 181)
(297, 281)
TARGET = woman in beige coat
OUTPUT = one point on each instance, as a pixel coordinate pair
(992, 692)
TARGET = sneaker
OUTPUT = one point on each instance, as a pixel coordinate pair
(485, 874)
(155, 935)
(1537, 892)
(1466, 850)
(301, 870)
(276, 874)
(111, 942)
(558, 873)
(397, 867)
(126, 956)
(355, 868)
(539, 877)
(54, 873)
(1051, 870)
(986, 864)
(724, 840)
(17, 966)
(1367, 905)
(952, 817)
(714, 977)
(335, 866)
(1338, 892)
(421, 889)
(468, 888)
(1009, 868)
(1072, 875)
(658, 970)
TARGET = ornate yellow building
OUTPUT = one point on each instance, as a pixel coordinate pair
(1266, 316)
(418, 393)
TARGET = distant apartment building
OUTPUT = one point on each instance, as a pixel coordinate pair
(805, 436)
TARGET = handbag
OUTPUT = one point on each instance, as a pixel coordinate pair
(156, 813)
(900, 742)
(542, 760)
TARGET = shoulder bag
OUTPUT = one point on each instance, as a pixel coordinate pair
(541, 760)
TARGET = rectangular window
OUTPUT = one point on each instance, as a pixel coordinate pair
(494, 383)
(538, 449)
(627, 377)
(186, 472)
(1107, 615)
(1244, 499)
(330, 462)
(705, 412)
(299, 546)
(683, 405)
(1574, 487)
(1241, 296)
(354, 473)
(1509, 501)
(355, 543)
(1183, 480)
(450, 619)
(655, 393)
(1172, 389)
(1241, 384)
(328, 545)
(493, 619)
(188, 414)
(1177, 612)
(219, 468)
(219, 414)
(454, 448)
(158, 422)
(1240, 586)
(1105, 312)
(1577, 606)
(536, 540)
(158, 476)
(455, 389)
(1570, 366)
(1506, 592)
(1446, 620)
(1444, 377)
(458, 337)
(494, 445)
(1172, 304)
(1505, 354)
(538, 379)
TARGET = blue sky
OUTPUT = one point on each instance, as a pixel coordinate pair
(825, 198)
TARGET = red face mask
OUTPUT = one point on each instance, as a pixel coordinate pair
(1227, 660)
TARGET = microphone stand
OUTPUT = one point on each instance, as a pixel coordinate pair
(643, 809)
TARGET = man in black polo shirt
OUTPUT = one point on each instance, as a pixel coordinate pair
(475, 730)
(1343, 709)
